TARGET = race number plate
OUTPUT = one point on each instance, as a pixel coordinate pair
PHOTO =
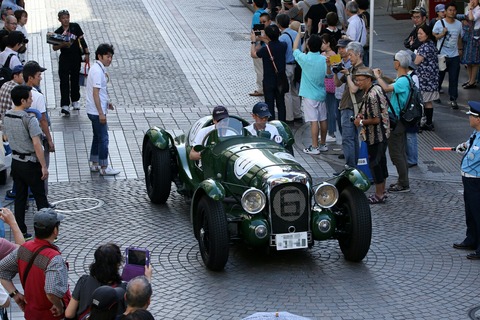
(288, 241)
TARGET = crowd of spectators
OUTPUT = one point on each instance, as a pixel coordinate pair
(328, 90)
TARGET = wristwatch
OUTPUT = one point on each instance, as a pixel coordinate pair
(13, 293)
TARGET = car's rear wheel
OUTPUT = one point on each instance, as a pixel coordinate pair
(158, 173)
(212, 231)
(356, 223)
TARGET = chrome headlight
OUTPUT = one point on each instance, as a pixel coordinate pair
(253, 201)
(326, 195)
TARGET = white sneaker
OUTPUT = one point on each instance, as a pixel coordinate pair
(109, 172)
(311, 150)
(331, 139)
(66, 110)
(94, 168)
(75, 105)
(323, 148)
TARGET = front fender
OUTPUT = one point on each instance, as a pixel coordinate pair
(285, 131)
(159, 138)
(209, 188)
(355, 177)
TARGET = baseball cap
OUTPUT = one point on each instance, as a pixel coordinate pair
(343, 43)
(17, 69)
(439, 7)
(261, 109)
(474, 108)
(106, 297)
(420, 10)
(46, 218)
(219, 113)
(33, 67)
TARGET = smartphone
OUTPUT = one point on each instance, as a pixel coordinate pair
(323, 21)
(257, 28)
(302, 27)
(138, 256)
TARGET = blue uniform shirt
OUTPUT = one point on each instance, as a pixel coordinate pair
(471, 159)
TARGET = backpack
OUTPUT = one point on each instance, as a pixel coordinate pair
(5, 71)
(412, 113)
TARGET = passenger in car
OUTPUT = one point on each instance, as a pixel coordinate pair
(219, 113)
(260, 127)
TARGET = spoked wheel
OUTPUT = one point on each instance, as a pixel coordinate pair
(212, 233)
(356, 223)
(158, 173)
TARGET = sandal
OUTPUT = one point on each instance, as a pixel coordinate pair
(373, 199)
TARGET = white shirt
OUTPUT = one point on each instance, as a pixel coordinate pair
(270, 128)
(38, 101)
(97, 78)
(14, 61)
(356, 29)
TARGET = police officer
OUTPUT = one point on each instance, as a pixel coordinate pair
(471, 184)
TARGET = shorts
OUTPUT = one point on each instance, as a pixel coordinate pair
(314, 110)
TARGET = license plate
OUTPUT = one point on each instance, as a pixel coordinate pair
(288, 241)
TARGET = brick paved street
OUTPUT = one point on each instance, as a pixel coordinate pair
(174, 60)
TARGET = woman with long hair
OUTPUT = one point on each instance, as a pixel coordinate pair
(427, 72)
(103, 271)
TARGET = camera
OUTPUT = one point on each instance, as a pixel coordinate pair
(336, 68)
(352, 118)
(257, 28)
(25, 41)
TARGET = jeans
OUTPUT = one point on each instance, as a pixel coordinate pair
(332, 107)
(349, 138)
(412, 148)
(398, 153)
(99, 149)
(69, 73)
(25, 175)
(272, 98)
(453, 69)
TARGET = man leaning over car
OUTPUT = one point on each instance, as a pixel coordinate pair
(219, 113)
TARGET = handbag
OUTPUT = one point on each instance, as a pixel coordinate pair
(442, 59)
(329, 85)
(282, 80)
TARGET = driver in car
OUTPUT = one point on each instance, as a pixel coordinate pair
(260, 127)
(219, 113)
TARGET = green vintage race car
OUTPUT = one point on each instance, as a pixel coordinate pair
(251, 189)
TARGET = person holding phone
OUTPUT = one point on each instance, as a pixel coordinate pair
(103, 271)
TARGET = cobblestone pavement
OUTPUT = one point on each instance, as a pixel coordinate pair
(174, 60)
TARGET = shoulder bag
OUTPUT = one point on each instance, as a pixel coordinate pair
(442, 59)
(282, 81)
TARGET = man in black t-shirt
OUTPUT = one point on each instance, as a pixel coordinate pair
(318, 12)
(70, 61)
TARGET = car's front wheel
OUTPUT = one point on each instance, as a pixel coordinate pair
(158, 173)
(356, 223)
(212, 233)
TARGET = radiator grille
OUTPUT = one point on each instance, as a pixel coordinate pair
(290, 207)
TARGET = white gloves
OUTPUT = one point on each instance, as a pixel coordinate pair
(461, 148)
